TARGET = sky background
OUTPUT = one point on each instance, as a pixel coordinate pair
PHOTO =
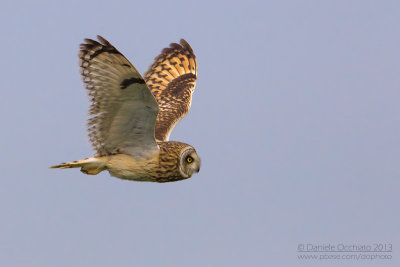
(295, 117)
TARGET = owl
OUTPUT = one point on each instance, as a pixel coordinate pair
(131, 117)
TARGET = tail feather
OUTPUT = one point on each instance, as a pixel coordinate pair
(89, 166)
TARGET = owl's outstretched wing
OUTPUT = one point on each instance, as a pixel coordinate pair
(172, 79)
(123, 110)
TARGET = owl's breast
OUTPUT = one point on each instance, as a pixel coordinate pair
(130, 168)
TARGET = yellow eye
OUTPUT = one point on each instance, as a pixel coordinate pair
(189, 159)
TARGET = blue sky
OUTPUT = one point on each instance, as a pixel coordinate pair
(295, 117)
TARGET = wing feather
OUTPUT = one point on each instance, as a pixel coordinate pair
(172, 79)
(123, 111)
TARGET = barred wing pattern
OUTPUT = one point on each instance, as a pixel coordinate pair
(172, 79)
(123, 111)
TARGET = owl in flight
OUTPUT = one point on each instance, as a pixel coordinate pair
(131, 117)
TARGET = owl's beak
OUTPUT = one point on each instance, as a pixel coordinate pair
(198, 166)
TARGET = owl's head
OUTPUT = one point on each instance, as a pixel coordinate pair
(189, 162)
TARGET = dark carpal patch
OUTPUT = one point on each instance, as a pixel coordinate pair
(125, 83)
(180, 83)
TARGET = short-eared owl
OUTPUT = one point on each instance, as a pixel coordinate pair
(131, 117)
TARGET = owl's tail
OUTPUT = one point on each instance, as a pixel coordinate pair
(88, 166)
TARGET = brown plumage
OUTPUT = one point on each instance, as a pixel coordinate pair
(172, 79)
(130, 118)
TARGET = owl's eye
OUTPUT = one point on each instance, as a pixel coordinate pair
(189, 159)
